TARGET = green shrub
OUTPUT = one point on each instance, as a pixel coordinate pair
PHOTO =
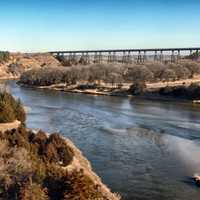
(10, 108)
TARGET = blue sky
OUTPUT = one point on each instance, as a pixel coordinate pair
(41, 25)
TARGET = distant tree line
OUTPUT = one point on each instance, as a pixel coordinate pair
(114, 74)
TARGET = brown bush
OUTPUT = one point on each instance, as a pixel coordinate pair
(168, 75)
(137, 88)
(58, 149)
(40, 138)
(181, 71)
(33, 191)
(156, 69)
(56, 176)
(82, 185)
(194, 67)
(138, 73)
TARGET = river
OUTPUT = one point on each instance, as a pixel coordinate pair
(144, 150)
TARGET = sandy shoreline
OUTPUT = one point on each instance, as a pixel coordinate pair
(9, 126)
(151, 97)
(123, 92)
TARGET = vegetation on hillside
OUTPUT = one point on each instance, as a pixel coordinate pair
(33, 166)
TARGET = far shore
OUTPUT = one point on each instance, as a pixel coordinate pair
(108, 90)
(124, 91)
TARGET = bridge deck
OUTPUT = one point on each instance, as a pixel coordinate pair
(127, 50)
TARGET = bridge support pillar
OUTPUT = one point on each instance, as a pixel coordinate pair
(173, 57)
(85, 58)
(98, 57)
(114, 57)
(95, 58)
(161, 56)
(70, 57)
(156, 56)
(196, 55)
(179, 55)
(109, 57)
(144, 57)
(74, 57)
(139, 58)
(124, 57)
(129, 58)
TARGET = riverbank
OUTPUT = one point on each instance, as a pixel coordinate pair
(35, 161)
(80, 163)
(153, 91)
(39, 161)
(74, 168)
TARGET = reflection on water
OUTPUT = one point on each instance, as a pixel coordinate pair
(144, 150)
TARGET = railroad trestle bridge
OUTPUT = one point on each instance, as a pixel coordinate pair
(129, 55)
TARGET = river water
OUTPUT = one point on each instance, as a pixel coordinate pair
(144, 150)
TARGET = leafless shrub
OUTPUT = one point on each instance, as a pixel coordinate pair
(14, 162)
(181, 71)
(156, 69)
(168, 75)
(194, 67)
(138, 73)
